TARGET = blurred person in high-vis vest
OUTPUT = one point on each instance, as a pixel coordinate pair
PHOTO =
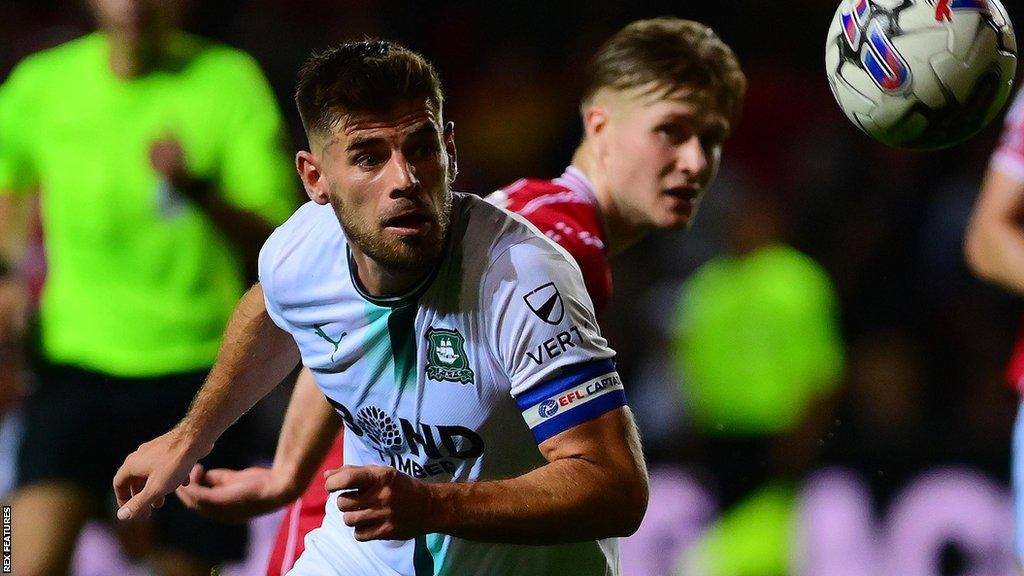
(159, 161)
(759, 355)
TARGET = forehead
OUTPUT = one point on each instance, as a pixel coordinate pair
(399, 120)
(695, 106)
(652, 99)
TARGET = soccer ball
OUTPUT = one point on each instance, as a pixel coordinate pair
(920, 73)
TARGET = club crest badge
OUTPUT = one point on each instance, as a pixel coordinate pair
(446, 356)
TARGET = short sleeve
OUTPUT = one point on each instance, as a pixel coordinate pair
(267, 266)
(568, 226)
(546, 337)
(17, 169)
(255, 169)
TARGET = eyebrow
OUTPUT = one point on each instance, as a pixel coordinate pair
(703, 122)
(428, 129)
(721, 124)
(362, 142)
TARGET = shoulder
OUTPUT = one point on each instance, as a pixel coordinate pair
(567, 216)
(1013, 127)
(528, 196)
(1015, 114)
(789, 260)
(306, 224)
(222, 64)
(796, 275)
(796, 269)
(45, 66)
(499, 246)
(516, 194)
(310, 231)
(503, 232)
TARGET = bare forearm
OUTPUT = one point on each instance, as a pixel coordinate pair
(570, 499)
(254, 357)
(246, 230)
(997, 256)
(994, 243)
(564, 501)
(309, 428)
(14, 217)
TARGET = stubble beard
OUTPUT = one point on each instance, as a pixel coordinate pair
(416, 253)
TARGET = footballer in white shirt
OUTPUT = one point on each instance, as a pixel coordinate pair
(487, 428)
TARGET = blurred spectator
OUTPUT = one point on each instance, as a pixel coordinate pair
(759, 353)
(160, 164)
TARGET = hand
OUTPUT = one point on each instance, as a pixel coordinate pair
(381, 503)
(152, 472)
(168, 159)
(236, 495)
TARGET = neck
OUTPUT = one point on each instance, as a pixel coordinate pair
(132, 56)
(382, 281)
(621, 231)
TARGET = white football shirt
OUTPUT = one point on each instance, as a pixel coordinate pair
(458, 380)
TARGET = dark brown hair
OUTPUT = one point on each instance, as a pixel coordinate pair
(668, 54)
(362, 77)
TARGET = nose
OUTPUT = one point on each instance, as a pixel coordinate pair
(403, 176)
(692, 158)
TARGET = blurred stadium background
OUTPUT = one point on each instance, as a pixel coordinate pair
(911, 433)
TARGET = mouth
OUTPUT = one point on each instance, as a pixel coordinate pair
(684, 193)
(408, 223)
(683, 198)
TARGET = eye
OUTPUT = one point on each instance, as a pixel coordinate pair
(368, 159)
(673, 133)
(424, 150)
(714, 136)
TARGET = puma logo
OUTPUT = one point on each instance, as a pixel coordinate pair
(319, 328)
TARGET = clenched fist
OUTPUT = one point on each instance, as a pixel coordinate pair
(381, 503)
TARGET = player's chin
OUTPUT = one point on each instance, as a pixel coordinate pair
(678, 219)
(674, 213)
(413, 251)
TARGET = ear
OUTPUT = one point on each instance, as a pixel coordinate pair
(312, 177)
(453, 156)
(595, 121)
